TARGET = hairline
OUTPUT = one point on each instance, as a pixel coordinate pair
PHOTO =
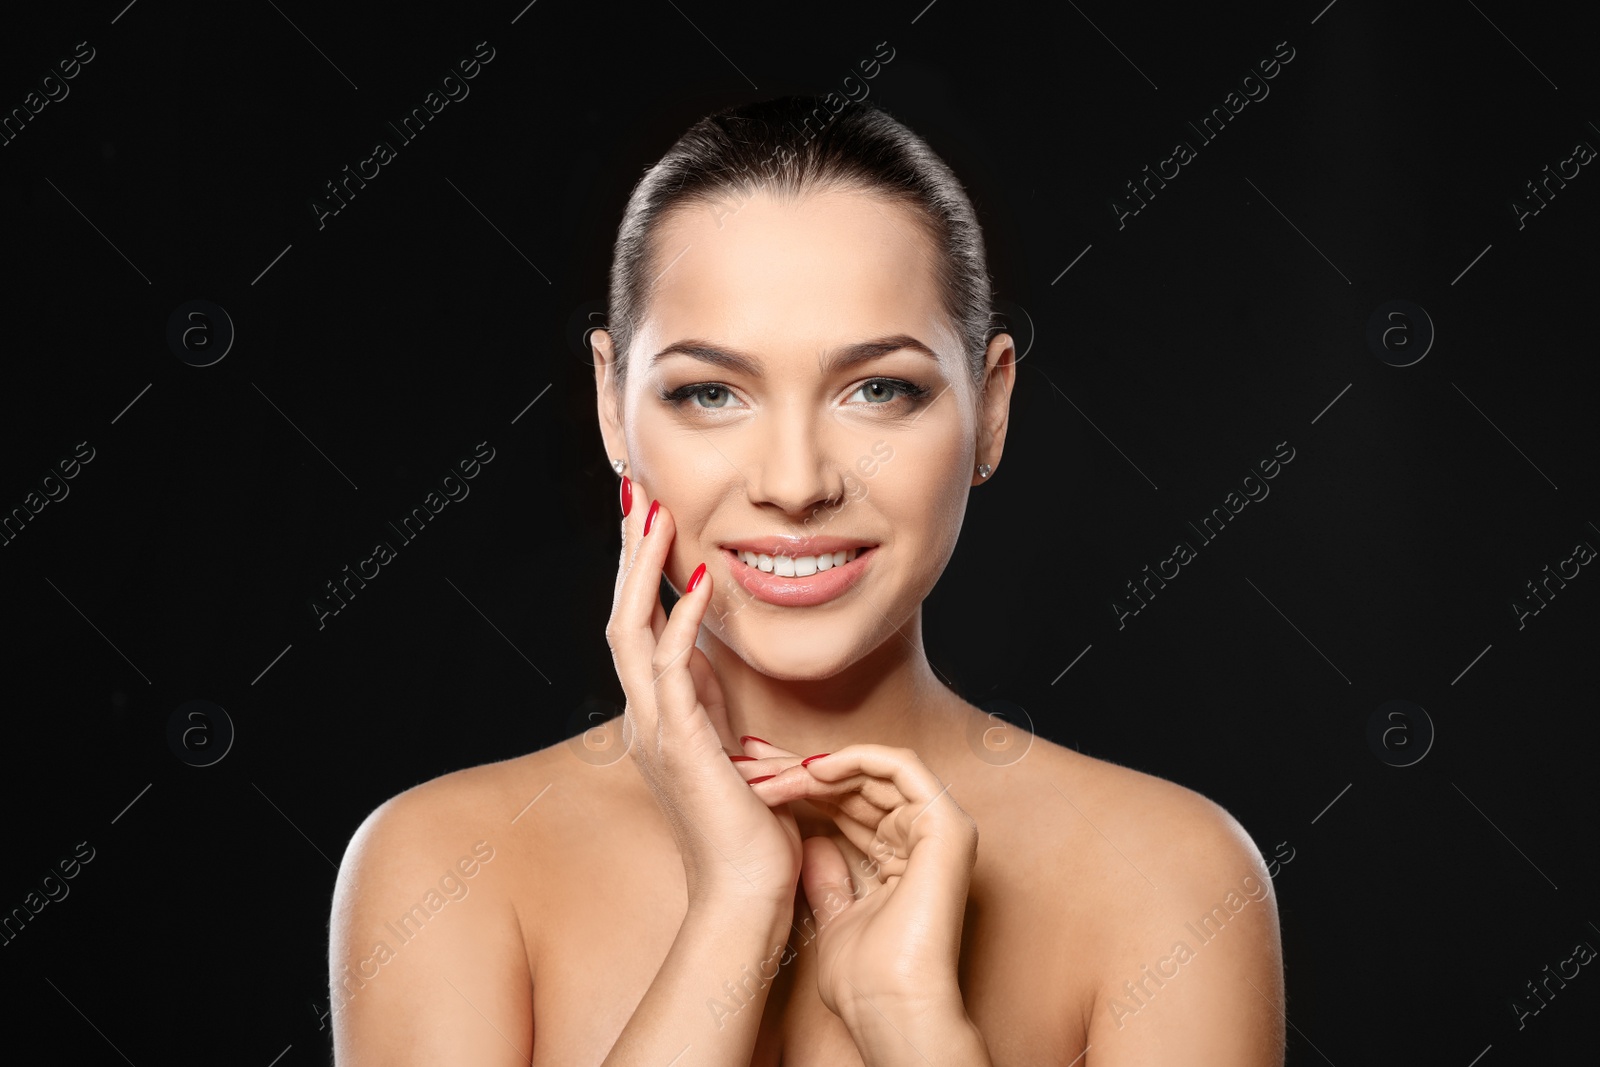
(789, 192)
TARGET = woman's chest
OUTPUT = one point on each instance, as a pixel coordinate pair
(599, 950)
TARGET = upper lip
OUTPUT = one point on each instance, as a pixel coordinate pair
(793, 547)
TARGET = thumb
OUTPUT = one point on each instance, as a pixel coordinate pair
(826, 877)
(709, 692)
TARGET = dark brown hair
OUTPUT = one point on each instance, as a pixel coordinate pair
(790, 146)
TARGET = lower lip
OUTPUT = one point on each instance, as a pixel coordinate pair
(818, 588)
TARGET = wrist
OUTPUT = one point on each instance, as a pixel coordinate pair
(921, 1028)
(732, 913)
(921, 1004)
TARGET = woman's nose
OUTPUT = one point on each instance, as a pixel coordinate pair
(793, 472)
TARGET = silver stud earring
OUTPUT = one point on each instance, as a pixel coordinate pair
(984, 470)
(618, 464)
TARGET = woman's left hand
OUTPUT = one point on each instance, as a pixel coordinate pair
(889, 895)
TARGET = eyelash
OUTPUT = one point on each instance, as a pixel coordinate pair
(912, 395)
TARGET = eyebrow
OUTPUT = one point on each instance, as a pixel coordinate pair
(838, 359)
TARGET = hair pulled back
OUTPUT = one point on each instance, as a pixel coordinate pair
(788, 147)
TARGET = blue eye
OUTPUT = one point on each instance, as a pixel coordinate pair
(677, 397)
(886, 391)
(714, 391)
(906, 390)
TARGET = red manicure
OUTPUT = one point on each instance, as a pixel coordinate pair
(627, 496)
(694, 579)
(650, 516)
(763, 778)
(753, 737)
(808, 759)
(742, 759)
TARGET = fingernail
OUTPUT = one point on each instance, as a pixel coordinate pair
(627, 495)
(763, 778)
(694, 579)
(753, 737)
(650, 516)
(808, 759)
(742, 759)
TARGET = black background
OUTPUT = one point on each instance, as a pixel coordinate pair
(451, 292)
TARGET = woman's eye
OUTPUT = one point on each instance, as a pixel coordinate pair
(877, 392)
(880, 392)
(717, 396)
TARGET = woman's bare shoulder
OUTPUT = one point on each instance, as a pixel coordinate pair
(1174, 826)
(1158, 872)
(471, 792)
(1137, 846)
(431, 936)
(495, 802)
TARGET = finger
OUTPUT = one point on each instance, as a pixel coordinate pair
(633, 536)
(826, 877)
(631, 630)
(869, 830)
(899, 767)
(676, 702)
(880, 795)
(753, 768)
(772, 761)
(938, 836)
(709, 691)
(632, 526)
(852, 806)
(770, 782)
(866, 873)
(938, 870)
(880, 859)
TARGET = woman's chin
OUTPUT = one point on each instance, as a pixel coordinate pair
(791, 668)
(806, 657)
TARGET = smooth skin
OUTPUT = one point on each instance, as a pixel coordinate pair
(648, 902)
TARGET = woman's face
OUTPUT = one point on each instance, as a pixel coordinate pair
(755, 304)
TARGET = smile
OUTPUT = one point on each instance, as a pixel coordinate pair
(798, 566)
(798, 581)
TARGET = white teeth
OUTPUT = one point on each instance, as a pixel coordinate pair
(797, 566)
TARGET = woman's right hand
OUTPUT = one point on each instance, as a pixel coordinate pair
(736, 850)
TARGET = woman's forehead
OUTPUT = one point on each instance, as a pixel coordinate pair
(834, 266)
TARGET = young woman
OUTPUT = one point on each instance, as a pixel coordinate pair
(773, 856)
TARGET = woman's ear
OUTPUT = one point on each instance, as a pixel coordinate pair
(608, 397)
(994, 402)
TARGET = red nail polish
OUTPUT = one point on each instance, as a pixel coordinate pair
(742, 759)
(627, 495)
(650, 516)
(753, 737)
(808, 759)
(763, 778)
(694, 579)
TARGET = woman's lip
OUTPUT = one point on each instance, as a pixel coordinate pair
(795, 547)
(818, 588)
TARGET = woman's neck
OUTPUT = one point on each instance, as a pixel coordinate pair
(891, 696)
